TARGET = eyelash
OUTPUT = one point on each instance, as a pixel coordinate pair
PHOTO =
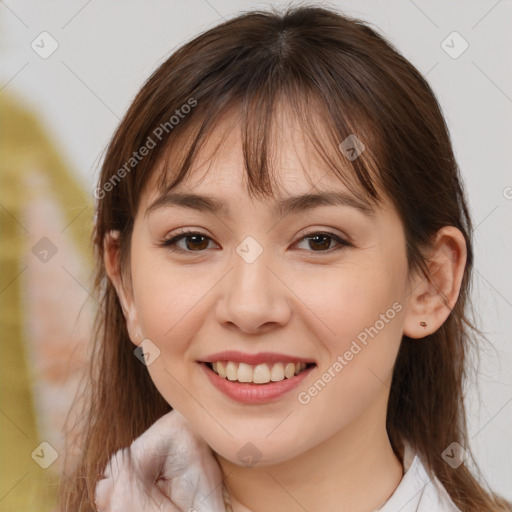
(184, 233)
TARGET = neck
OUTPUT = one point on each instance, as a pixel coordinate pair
(356, 470)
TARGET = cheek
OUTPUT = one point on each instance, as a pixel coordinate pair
(165, 296)
(171, 304)
(361, 311)
(353, 299)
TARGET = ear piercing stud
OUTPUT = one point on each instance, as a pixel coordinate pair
(423, 324)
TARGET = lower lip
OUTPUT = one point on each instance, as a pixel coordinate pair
(249, 393)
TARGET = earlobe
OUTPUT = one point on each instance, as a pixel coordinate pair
(113, 269)
(432, 297)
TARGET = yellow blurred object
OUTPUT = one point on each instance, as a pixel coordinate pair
(37, 192)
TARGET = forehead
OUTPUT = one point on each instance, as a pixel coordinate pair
(219, 171)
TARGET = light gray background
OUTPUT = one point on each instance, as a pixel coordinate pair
(108, 48)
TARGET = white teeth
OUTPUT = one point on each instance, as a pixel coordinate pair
(277, 372)
(259, 374)
(244, 373)
(231, 371)
(289, 371)
(221, 369)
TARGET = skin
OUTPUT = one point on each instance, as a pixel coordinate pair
(332, 453)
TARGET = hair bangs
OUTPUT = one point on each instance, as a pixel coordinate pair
(265, 116)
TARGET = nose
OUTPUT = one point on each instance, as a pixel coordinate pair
(254, 298)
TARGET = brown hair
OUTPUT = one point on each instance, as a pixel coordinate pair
(340, 76)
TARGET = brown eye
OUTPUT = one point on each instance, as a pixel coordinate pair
(194, 242)
(321, 242)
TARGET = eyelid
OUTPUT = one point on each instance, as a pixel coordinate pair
(341, 240)
(327, 231)
(184, 232)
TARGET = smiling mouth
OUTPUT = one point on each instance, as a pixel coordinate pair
(257, 374)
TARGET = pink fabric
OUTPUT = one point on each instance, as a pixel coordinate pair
(188, 477)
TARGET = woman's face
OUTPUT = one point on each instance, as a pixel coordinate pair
(257, 280)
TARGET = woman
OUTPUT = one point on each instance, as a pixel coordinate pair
(284, 254)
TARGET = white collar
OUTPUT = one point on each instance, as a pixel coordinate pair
(417, 492)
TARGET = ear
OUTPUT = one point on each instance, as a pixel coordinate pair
(111, 248)
(432, 299)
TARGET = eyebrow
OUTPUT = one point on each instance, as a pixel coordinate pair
(293, 204)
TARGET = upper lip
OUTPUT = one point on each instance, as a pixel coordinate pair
(254, 359)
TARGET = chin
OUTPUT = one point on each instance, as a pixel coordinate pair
(253, 452)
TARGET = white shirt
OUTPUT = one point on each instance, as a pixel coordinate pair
(416, 492)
